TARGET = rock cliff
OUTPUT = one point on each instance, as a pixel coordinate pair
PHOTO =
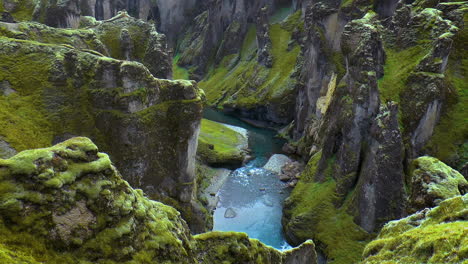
(71, 198)
(58, 84)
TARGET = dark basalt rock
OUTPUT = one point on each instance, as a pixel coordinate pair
(263, 39)
(6, 17)
(380, 193)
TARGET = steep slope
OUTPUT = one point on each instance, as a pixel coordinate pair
(57, 84)
(71, 198)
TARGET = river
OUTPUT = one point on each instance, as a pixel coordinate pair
(254, 195)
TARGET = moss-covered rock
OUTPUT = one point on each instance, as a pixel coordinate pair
(219, 145)
(232, 247)
(432, 182)
(62, 91)
(73, 196)
(124, 38)
(437, 235)
(69, 204)
(240, 85)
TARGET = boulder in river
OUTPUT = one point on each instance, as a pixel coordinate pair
(230, 213)
(276, 162)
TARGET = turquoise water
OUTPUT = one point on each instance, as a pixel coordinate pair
(254, 194)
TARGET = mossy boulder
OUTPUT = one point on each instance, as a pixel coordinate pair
(432, 181)
(219, 145)
(437, 235)
(72, 196)
(69, 204)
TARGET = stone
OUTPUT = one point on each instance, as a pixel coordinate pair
(290, 171)
(6, 151)
(276, 162)
(432, 182)
(230, 213)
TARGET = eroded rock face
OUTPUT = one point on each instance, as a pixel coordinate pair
(347, 111)
(432, 182)
(125, 38)
(149, 126)
(213, 32)
(73, 199)
(263, 39)
(380, 191)
(238, 248)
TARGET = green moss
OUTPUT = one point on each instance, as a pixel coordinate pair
(22, 112)
(234, 247)
(179, 72)
(312, 214)
(111, 39)
(218, 144)
(22, 247)
(294, 22)
(439, 180)
(22, 11)
(244, 83)
(439, 236)
(399, 65)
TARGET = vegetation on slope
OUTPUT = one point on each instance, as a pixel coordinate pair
(239, 80)
(313, 214)
(220, 145)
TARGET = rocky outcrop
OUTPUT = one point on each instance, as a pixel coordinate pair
(264, 56)
(124, 38)
(436, 235)
(237, 248)
(71, 198)
(220, 145)
(64, 90)
(276, 162)
(132, 39)
(432, 182)
(380, 193)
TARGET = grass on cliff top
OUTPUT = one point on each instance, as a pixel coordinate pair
(331, 228)
(240, 80)
(219, 144)
(451, 132)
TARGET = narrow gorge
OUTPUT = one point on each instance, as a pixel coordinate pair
(233, 131)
